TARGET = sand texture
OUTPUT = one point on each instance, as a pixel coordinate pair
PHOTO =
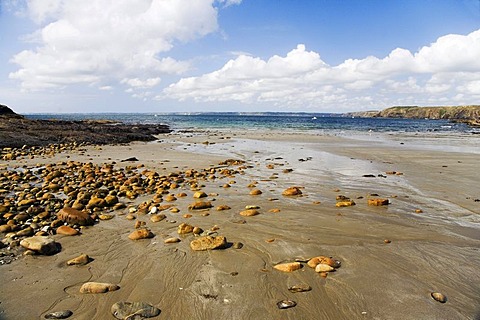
(390, 257)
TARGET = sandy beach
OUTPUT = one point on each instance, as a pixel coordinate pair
(427, 239)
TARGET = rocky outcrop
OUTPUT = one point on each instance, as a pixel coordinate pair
(7, 112)
(468, 114)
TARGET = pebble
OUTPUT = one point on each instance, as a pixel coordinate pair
(222, 208)
(378, 202)
(64, 314)
(134, 310)
(439, 297)
(255, 192)
(249, 213)
(237, 245)
(292, 191)
(81, 260)
(139, 234)
(348, 203)
(288, 267)
(157, 217)
(208, 243)
(285, 304)
(171, 240)
(184, 228)
(322, 267)
(67, 231)
(98, 287)
(299, 288)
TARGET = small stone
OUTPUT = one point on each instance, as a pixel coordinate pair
(81, 260)
(27, 232)
(439, 297)
(274, 210)
(184, 228)
(378, 202)
(157, 217)
(250, 207)
(322, 267)
(200, 205)
(288, 267)
(208, 243)
(418, 211)
(105, 216)
(64, 314)
(299, 288)
(174, 210)
(200, 194)
(139, 224)
(140, 234)
(249, 213)
(255, 192)
(171, 240)
(387, 241)
(133, 310)
(170, 198)
(285, 304)
(72, 216)
(41, 244)
(348, 203)
(98, 287)
(237, 245)
(313, 262)
(67, 231)
(130, 217)
(292, 191)
(197, 230)
(222, 208)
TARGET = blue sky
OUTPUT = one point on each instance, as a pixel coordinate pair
(233, 55)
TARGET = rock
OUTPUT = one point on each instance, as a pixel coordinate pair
(134, 310)
(64, 314)
(41, 244)
(184, 228)
(299, 288)
(73, 216)
(322, 267)
(222, 207)
(274, 210)
(5, 228)
(197, 230)
(67, 231)
(157, 217)
(285, 304)
(200, 194)
(255, 192)
(288, 267)
(347, 203)
(313, 262)
(111, 200)
(81, 260)
(170, 198)
(237, 245)
(378, 202)
(439, 297)
(292, 191)
(171, 240)
(98, 287)
(105, 216)
(208, 243)
(27, 232)
(140, 234)
(200, 205)
(249, 212)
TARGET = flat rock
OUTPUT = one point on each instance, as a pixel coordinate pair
(140, 234)
(171, 240)
(64, 314)
(157, 217)
(322, 267)
(199, 205)
(208, 243)
(73, 216)
(347, 203)
(292, 191)
(134, 310)
(67, 231)
(378, 202)
(41, 244)
(98, 287)
(81, 260)
(313, 262)
(288, 267)
(200, 194)
(249, 212)
(302, 287)
(184, 228)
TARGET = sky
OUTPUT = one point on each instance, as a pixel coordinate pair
(103, 56)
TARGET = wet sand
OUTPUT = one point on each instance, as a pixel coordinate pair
(437, 250)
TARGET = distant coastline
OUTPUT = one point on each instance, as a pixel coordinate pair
(466, 114)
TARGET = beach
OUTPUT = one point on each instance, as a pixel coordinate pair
(393, 256)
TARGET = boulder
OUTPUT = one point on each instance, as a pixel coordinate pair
(67, 231)
(208, 243)
(73, 216)
(41, 244)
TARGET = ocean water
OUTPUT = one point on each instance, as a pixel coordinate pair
(295, 122)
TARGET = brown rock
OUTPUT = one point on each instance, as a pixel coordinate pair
(170, 198)
(274, 210)
(208, 243)
(288, 267)
(347, 203)
(378, 202)
(111, 200)
(200, 205)
(312, 263)
(184, 228)
(81, 260)
(255, 192)
(98, 287)
(249, 213)
(157, 217)
(73, 216)
(67, 231)
(322, 267)
(5, 228)
(40, 244)
(140, 234)
(27, 232)
(171, 240)
(292, 191)
(222, 207)
(200, 194)
(105, 216)
(302, 287)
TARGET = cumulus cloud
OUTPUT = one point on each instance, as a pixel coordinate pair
(85, 42)
(446, 70)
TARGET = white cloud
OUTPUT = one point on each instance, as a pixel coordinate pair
(102, 40)
(446, 70)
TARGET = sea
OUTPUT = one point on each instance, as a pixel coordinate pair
(294, 122)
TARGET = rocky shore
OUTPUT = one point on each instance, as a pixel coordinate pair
(17, 131)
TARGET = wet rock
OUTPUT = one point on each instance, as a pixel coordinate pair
(285, 304)
(184, 228)
(222, 207)
(64, 314)
(288, 267)
(73, 216)
(105, 216)
(81, 260)
(98, 287)
(292, 191)
(208, 243)
(302, 287)
(171, 240)
(347, 203)
(141, 234)
(313, 262)
(237, 245)
(200, 194)
(378, 202)
(41, 245)
(322, 267)
(249, 212)
(437, 296)
(200, 205)
(255, 192)
(157, 217)
(67, 231)
(134, 310)
(197, 230)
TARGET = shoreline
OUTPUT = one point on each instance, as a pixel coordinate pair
(436, 250)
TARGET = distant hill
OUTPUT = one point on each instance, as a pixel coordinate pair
(6, 111)
(467, 114)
